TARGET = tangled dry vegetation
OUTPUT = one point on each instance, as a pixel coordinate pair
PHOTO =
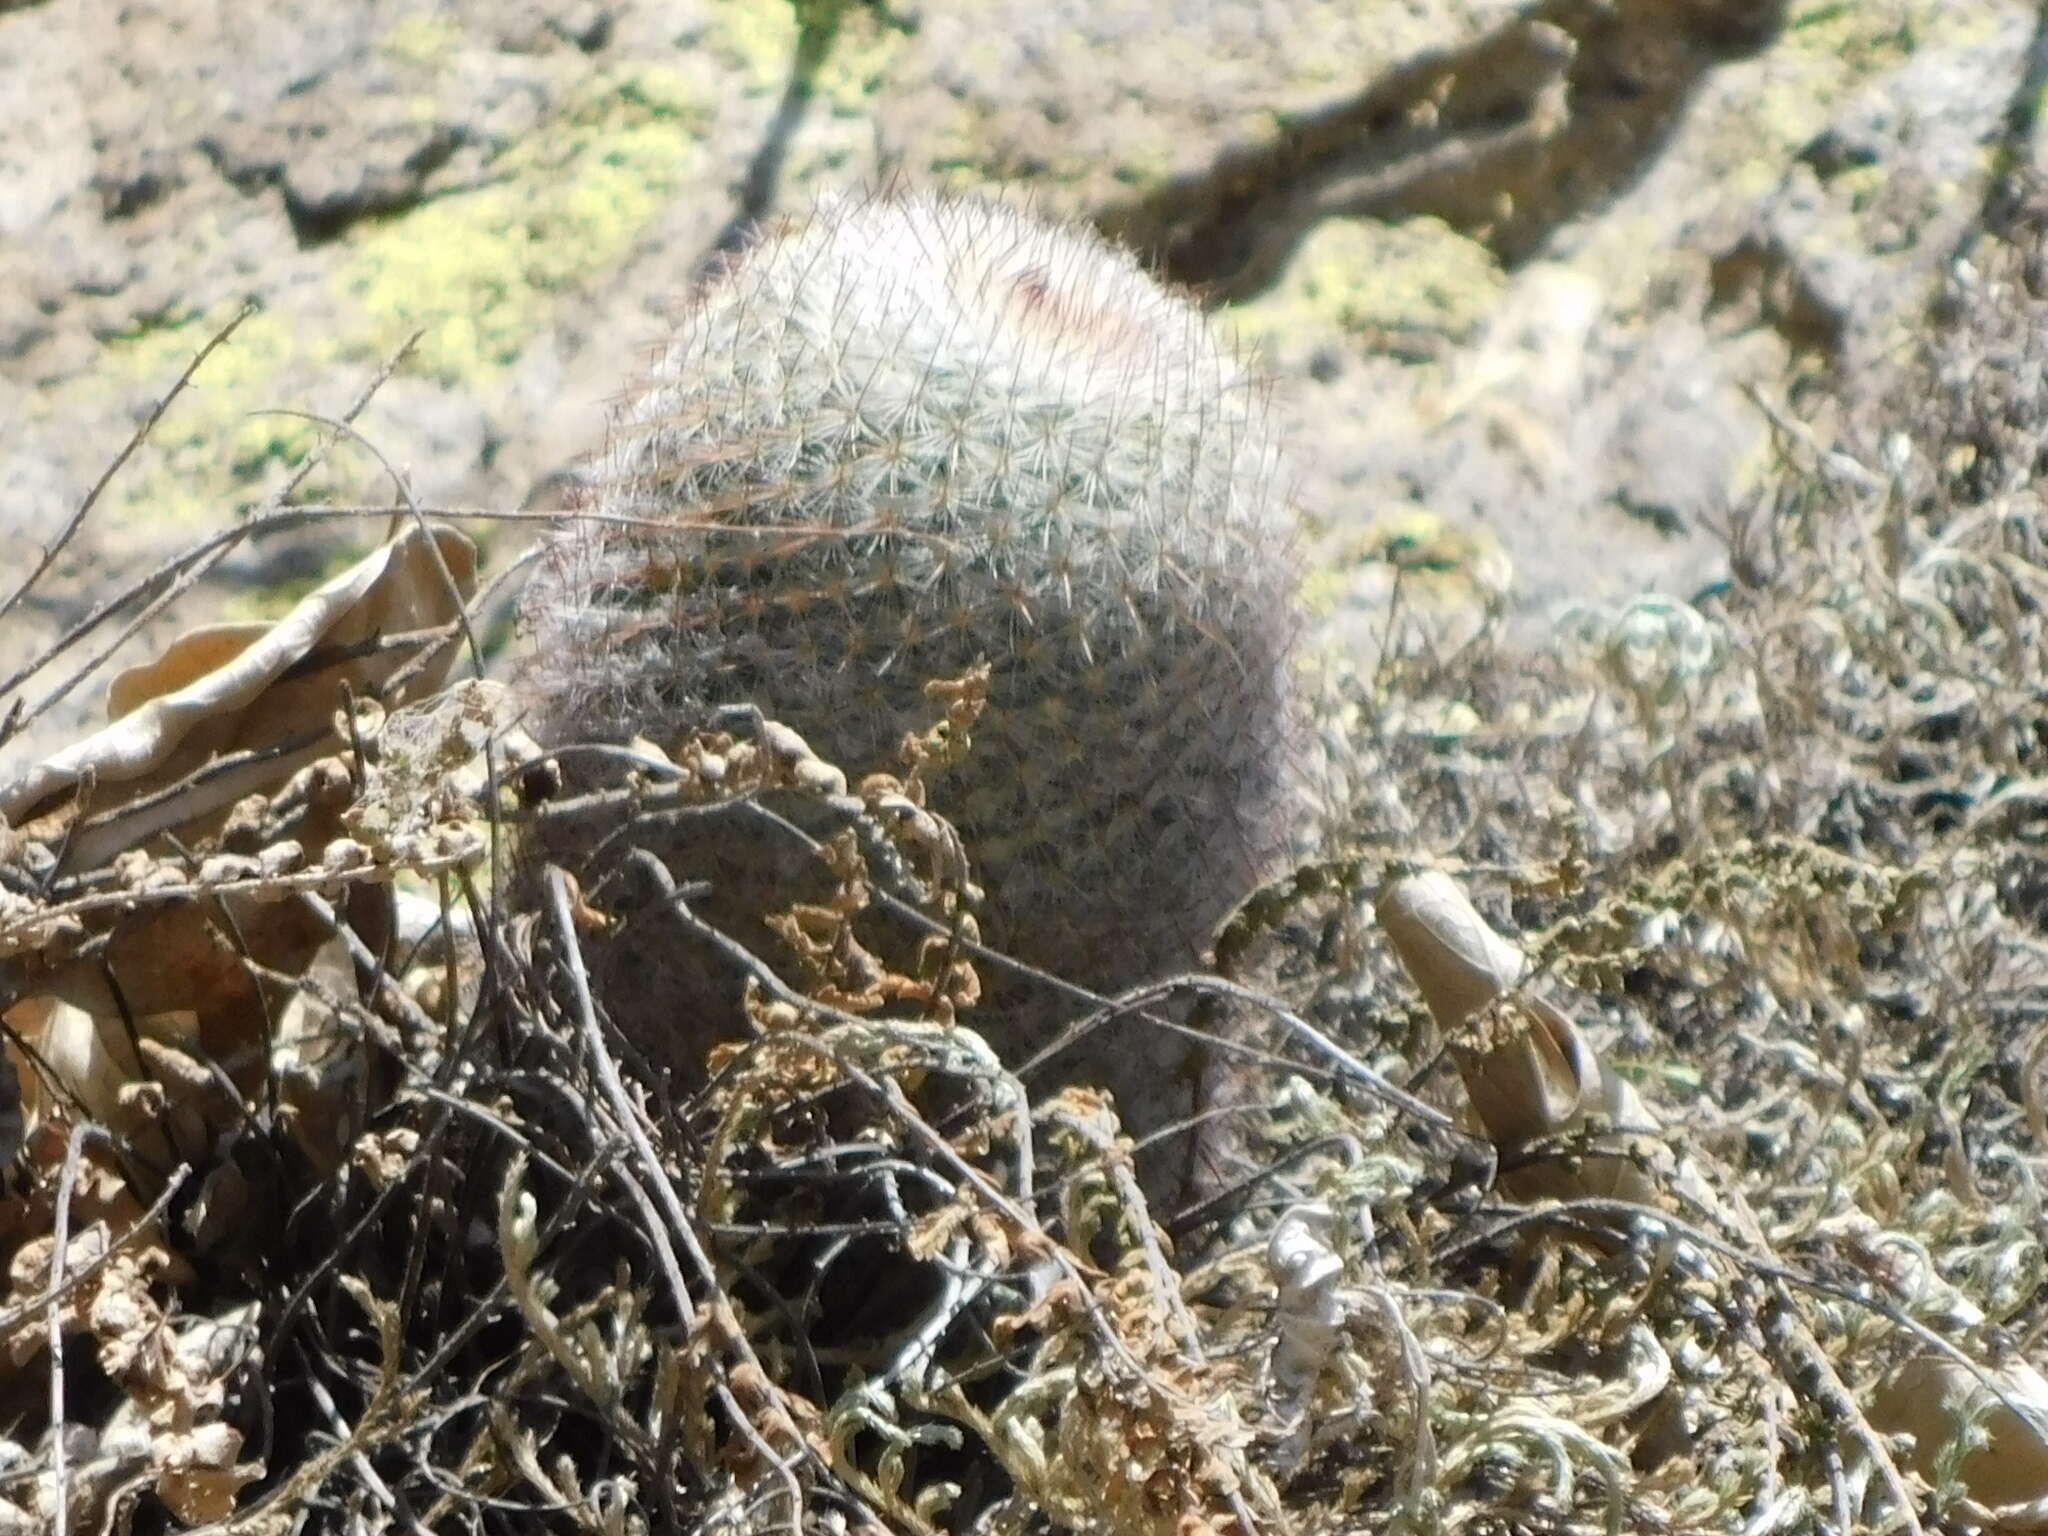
(1712, 1201)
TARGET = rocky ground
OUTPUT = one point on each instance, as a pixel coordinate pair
(1665, 1151)
(1534, 277)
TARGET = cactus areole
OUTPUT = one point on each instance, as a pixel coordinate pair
(907, 434)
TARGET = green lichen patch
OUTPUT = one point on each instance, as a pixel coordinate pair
(427, 39)
(863, 54)
(1436, 561)
(211, 453)
(1408, 289)
(758, 39)
(1829, 49)
(479, 271)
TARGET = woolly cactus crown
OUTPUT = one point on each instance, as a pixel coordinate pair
(908, 434)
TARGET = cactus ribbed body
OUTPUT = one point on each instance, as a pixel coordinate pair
(908, 434)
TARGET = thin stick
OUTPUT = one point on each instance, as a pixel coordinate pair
(199, 567)
(60, 1472)
(255, 527)
(412, 505)
(1347, 1065)
(658, 1186)
(135, 440)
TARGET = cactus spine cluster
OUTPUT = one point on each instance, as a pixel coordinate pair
(985, 437)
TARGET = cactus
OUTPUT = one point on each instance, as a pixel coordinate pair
(987, 437)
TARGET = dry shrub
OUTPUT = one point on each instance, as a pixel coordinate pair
(346, 1208)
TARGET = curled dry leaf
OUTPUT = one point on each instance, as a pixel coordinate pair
(326, 1076)
(200, 1470)
(95, 1063)
(256, 701)
(1934, 1399)
(173, 1371)
(1457, 961)
(1531, 1078)
(174, 975)
(184, 1002)
(1309, 1277)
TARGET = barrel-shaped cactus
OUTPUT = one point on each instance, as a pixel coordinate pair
(907, 434)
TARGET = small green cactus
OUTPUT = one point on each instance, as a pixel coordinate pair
(987, 438)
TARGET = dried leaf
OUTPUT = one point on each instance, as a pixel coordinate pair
(1457, 961)
(1934, 1399)
(385, 1156)
(1310, 1306)
(266, 689)
(200, 1474)
(91, 1061)
(1534, 1077)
